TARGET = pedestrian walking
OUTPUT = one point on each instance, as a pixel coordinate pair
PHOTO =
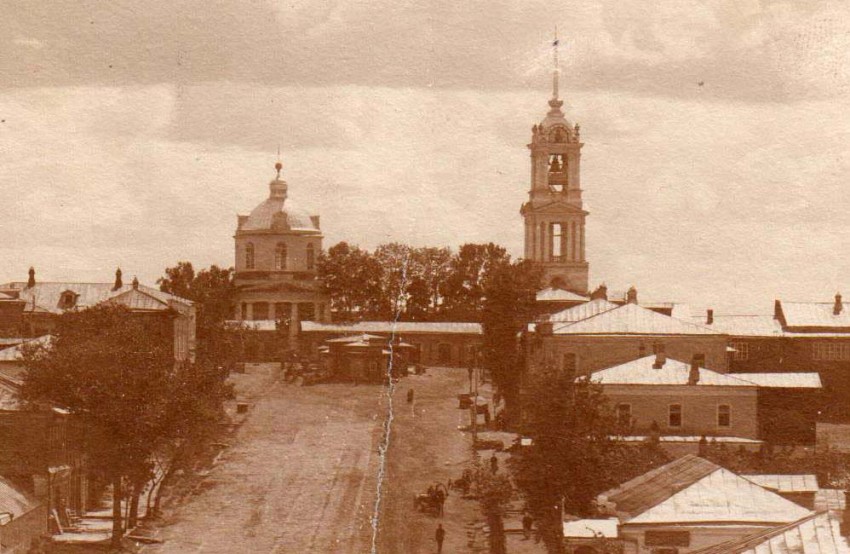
(494, 463)
(527, 522)
(410, 396)
(440, 535)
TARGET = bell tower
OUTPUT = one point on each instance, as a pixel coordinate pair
(554, 216)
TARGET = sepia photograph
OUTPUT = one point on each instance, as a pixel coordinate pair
(437, 277)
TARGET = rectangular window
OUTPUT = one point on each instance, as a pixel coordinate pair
(674, 415)
(832, 351)
(569, 363)
(261, 311)
(624, 415)
(741, 350)
(724, 415)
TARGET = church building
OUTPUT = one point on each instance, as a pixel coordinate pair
(554, 216)
(277, 247)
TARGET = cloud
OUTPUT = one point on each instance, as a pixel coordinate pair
(777, 51)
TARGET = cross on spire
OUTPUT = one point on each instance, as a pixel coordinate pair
(555, 70)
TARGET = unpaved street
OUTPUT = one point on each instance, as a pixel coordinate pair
(301, 473)
(299, 477)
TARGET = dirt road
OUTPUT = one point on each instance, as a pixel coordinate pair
(300, 477)
(302, 471)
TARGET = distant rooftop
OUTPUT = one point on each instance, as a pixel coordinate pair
(397, 327)
(782, 380)
(631, 319)
(47, 296)
(673, 372)
(559, 295)
(812, 534)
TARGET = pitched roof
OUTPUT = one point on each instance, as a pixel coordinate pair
(637, 495)
(744, 325)
(786, 483)
(812, 534)
(722, 497)
(14, 500)
(631, 319)
(833, 501)
(13, 353)
(782, 380)
(591, 528)
(559, 295)
(397, 327)
(816, 314)
(45, 296)
(673, 372)
(583, 311)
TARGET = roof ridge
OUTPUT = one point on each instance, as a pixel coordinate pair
(756, 538)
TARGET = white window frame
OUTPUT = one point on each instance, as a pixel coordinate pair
(742, 350)
(629, 406)
(729, 414)
(681, 415)
(831, 351)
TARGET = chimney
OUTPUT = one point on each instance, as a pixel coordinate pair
(135, 283)
(777, 310)
(601, 293)
(118, 282)
(709, 316)
(31, 280)
(836, 309)
(660, 359)
(693, 374)
(631, 296)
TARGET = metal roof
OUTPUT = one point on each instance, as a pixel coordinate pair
(559, 295)
(583, 311)
(744, 325)
(14, 500)
(812, 534)
(396, 327)
(631, 319)
(591, 528)
(45, 297)
(786, 483)
(722, 497)
(687, 439)
(782, 380)
(833, 501)
(673, 372)
(637, 495)
(13, 353)
(815, 314)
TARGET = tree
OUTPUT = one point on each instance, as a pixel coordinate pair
(114, 370)
(395, 260)
(352, 278)
(213, 293)
(573, 456)
(494, 492)
(509, 297)
(431, 270)
(464, 290)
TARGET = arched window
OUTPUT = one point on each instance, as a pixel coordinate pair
(311, 256)
(280, 256)
(249, 256)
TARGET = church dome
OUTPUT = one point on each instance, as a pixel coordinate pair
(277, 213)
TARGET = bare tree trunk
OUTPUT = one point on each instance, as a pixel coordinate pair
(133, 519)
(117, 516)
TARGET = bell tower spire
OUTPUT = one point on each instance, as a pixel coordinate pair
(554, 215)
(556, 70)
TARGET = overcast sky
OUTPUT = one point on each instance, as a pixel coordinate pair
(133, 133)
